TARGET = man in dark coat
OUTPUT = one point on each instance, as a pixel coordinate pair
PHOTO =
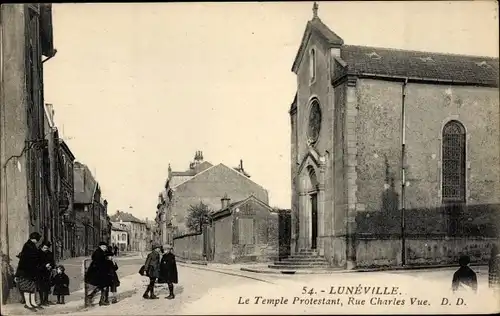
(494, 268)
(27, 271)
(152, 268)
(168, 271)
(47, 264)
(97, 274)
(464, 277)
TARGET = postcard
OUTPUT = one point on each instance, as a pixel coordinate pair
(257, 158)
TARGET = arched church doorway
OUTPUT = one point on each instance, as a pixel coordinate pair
(313, 197)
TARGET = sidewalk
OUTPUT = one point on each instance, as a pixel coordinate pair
(263, 268)
(75, 301)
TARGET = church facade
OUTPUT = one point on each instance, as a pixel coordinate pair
(391, 152)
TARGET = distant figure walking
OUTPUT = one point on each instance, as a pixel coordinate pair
(98, 274)
(115, 250)
(61, 284)
(168, 271)
(47, 265)
(494, 268)
(464, 278)
(152, 269)
(27, 271)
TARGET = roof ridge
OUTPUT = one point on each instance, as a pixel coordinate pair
(421, 51)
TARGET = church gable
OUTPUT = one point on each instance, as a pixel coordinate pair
(316, 28)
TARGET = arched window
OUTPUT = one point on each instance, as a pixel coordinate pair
(312, 64)
(454, 160)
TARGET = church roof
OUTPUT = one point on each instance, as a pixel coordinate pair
(463, 69)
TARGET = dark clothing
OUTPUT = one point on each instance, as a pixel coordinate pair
(98, 272)
(150, 289)
(29, 262)
(26, 285)
(494, 271)
(44, 273)
(168, 269)
(61, 284)
(152, 265)
(113, 267)
(464, 276)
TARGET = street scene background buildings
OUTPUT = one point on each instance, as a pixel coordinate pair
(363, 155)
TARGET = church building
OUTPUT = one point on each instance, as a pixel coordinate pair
(395, 154)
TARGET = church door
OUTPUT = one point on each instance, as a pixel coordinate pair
(314, 220)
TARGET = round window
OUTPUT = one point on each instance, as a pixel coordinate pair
(314, 122)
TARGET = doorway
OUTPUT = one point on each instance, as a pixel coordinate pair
(314, 220)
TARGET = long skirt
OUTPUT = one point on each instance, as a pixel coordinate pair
(26, 285)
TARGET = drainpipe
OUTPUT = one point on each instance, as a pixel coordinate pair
(403, 171)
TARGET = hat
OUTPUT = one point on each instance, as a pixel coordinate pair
(46, 243)
(155, 245)
(36, 236)
(102, 243)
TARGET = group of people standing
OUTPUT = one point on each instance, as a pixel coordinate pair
(37, 271)
(102, 274)
(160, 267)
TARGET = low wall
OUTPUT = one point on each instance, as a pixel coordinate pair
(189, 247)
(422, 251)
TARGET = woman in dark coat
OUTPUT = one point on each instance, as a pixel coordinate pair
(168, 271)
(152, 268)
(28, 269)
(47, 264)
(97, 274)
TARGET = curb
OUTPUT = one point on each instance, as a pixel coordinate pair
(202, 263)
(235, 273)
(378, 269)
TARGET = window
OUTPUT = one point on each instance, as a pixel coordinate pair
(246, 232)
(124, 237)
(454, 160)
(312, 65)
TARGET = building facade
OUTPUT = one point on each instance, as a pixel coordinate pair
(383, 140)
(90, 209)
(202, 182)
(119, 236)
(60, 194)
(26, 38)
(138, 237)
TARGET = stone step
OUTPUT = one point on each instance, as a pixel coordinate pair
(309, 259)
(300, 256)
(297, 267)
(299, 263)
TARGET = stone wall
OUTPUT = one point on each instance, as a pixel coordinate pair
(189, 247)
(422, 251)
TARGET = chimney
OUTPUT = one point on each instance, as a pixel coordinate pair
(225, 201)
(241, 164)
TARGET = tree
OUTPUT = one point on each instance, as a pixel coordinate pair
(197, 215)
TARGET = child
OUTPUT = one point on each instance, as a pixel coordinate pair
(464, 277)
(113, 267)
(61, 284)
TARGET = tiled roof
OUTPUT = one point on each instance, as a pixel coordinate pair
(85, 184)
(125, 217)
(233, 205)
(364, 60)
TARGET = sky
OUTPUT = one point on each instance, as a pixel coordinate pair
(136, 87)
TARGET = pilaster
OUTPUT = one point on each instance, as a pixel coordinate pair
(351, 172)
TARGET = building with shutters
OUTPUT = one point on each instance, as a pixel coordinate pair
(395, 154)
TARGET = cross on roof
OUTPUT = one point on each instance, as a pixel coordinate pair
(315, 10)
